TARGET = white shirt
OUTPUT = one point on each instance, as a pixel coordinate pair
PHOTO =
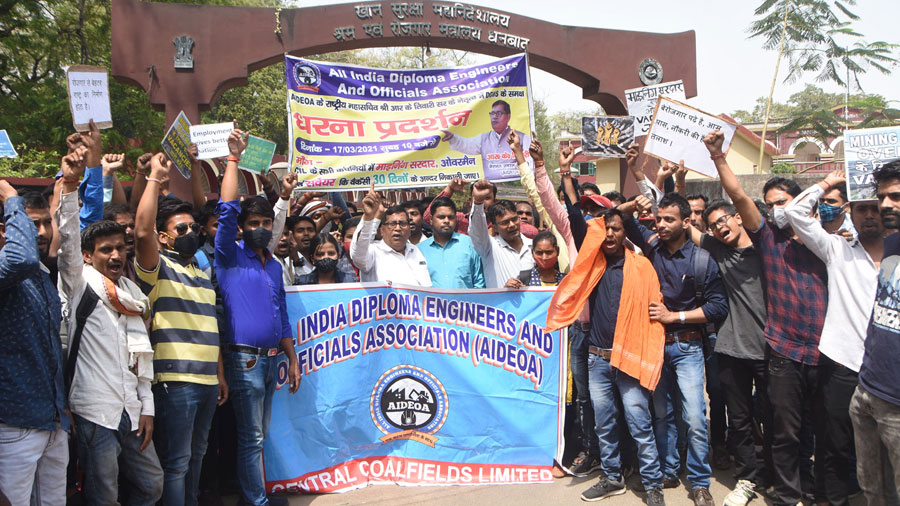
(380, 262)
(102, 386)
(852, 281)
(501, 261)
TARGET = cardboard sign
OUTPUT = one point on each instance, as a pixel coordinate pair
(211, 140)
(677, 131)
(606, 136)
(257, 156)
(89, 96)
(865, 151)
(7, 150)
(642, 102)
(176, 143)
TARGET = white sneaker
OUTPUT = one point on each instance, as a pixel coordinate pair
(741, 494)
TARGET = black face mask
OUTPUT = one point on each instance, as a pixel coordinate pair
(186, 245)
(326, 265)
(258, 238)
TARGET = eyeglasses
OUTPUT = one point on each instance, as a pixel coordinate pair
(182, 228)
(514, 219)
(722, 220)
(497, 114)
(396, 224)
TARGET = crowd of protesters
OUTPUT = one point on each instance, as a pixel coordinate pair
(140, 333)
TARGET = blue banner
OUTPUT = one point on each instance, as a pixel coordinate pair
(417, 386)
(6, 147)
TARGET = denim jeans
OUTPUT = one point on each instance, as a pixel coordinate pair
(251, 383)
(101, 454)
(717, 420)
(578, 340)
(607, 383)
(682, 381)
(184, 413)
(876, 428)
(33, 465)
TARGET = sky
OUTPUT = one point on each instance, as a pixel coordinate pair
(732, 70)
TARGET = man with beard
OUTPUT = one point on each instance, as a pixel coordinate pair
(686, 310)
(393, 259)
(797, 292)
(121, 214)
(190, 376)
(507, 254)
(875, 407)
(740, 348)
(452, 260)
(416, 223)
(303, 230)
(698, 203)
(852, 282)
(33, 421)
(110, 364)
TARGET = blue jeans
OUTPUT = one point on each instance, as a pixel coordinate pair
(682, 380)
(606, 383)
(184, 413)
(101, 452)
(251, 383)
(578, 340)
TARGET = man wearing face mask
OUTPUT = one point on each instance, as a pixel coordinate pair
(797, 297)
(852, 282)
(256, 321)
(832, 209)
(190, 376)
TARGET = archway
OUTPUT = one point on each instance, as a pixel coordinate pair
(227, 43)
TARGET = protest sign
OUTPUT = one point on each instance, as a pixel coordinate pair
(257, 156)
(677, 131)
(176, 144)
(641, 102)
(865, 151)
(417, 386)
(606, 136)
(211, 140)
(89, 96)
(7, 150)
(351, 126)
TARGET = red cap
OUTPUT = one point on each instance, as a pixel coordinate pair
(600, 200)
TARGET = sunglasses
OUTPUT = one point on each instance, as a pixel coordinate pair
(182, 228)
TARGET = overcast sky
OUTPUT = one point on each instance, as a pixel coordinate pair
(732, 70)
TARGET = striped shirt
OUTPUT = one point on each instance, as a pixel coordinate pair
(183, 330)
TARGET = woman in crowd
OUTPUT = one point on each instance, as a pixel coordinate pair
(326, 252)
(545, 272)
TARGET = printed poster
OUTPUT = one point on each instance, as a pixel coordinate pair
(177, 142)
(350, 125)
(606, 136)
(417, 386)
(865, 151)
(641, 102)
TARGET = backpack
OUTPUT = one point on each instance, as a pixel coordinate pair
(85, 307)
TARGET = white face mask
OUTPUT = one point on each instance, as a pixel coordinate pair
(780, 219)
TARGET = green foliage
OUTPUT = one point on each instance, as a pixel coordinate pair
(30, 163)
(783, 168)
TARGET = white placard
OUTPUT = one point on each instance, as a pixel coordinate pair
(677, 132)
(642, 102)
(88, 96)
(211, 140)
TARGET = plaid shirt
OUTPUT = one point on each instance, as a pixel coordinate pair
(797, 287)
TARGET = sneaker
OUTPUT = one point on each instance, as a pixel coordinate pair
(741, 494)
(602, 489)
(655, 497)
(702, 497)
(584, 464)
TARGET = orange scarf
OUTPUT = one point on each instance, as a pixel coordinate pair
(638, 343)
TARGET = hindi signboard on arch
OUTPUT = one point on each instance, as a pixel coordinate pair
(351, 125)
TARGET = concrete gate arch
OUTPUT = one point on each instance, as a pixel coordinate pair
(230, 42)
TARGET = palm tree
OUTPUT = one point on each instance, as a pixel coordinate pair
(815, 37)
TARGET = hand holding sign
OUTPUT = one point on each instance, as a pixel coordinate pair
(212, 140)
(678, 131)
(94, 144)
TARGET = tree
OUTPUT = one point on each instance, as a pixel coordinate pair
(817, 36)
(809, 99)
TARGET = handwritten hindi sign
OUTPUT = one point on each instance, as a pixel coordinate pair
(352, 126)
(865, 151)
(176, 143)
(642, 102)
(211, 140)
(7, 150)
(89, 96)
(606, 136)
(257, 156)
(677, 131)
